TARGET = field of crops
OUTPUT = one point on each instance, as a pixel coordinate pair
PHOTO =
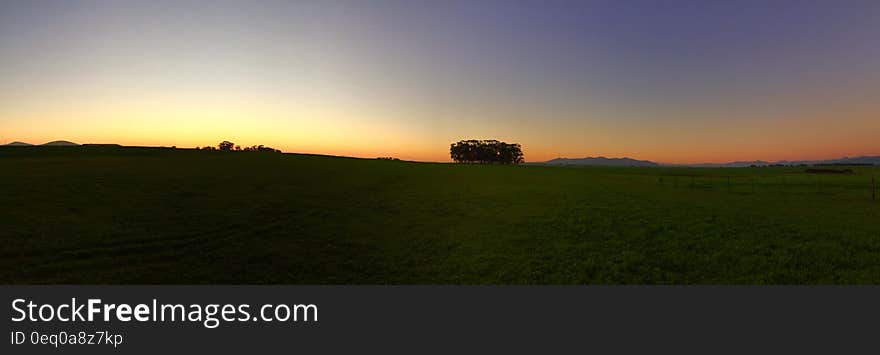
(147, 215)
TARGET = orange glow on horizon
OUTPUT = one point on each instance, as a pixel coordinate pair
(357, 129)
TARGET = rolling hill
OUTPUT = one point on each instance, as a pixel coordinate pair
(600, 161)
(60, 144)
(19, 144)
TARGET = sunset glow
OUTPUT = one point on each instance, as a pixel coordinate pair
(683, 82)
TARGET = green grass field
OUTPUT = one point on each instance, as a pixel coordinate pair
(137, 215)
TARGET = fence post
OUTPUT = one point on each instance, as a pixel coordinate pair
(873, 188)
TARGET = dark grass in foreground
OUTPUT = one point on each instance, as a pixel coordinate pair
(133, 215)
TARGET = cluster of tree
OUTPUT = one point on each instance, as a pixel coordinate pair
(258, 148)
(486, 151)
(388, 158)
(227, 146)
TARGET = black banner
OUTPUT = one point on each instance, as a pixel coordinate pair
(412, 319)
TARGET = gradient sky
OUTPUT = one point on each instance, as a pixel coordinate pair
(670, 81)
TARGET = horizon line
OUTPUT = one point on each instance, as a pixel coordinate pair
(661, 163)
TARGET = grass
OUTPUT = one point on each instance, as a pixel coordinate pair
(146, 215)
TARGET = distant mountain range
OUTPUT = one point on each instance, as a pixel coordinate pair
(603, 161)
(600, 161)
(49, 144)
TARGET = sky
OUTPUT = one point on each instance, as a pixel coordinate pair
(669, 81)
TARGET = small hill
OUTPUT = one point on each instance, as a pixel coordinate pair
(60, 144)
(19, 144)
(600, 161)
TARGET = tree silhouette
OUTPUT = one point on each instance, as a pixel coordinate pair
(485, 152)
(260, 148)
(226, 146)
